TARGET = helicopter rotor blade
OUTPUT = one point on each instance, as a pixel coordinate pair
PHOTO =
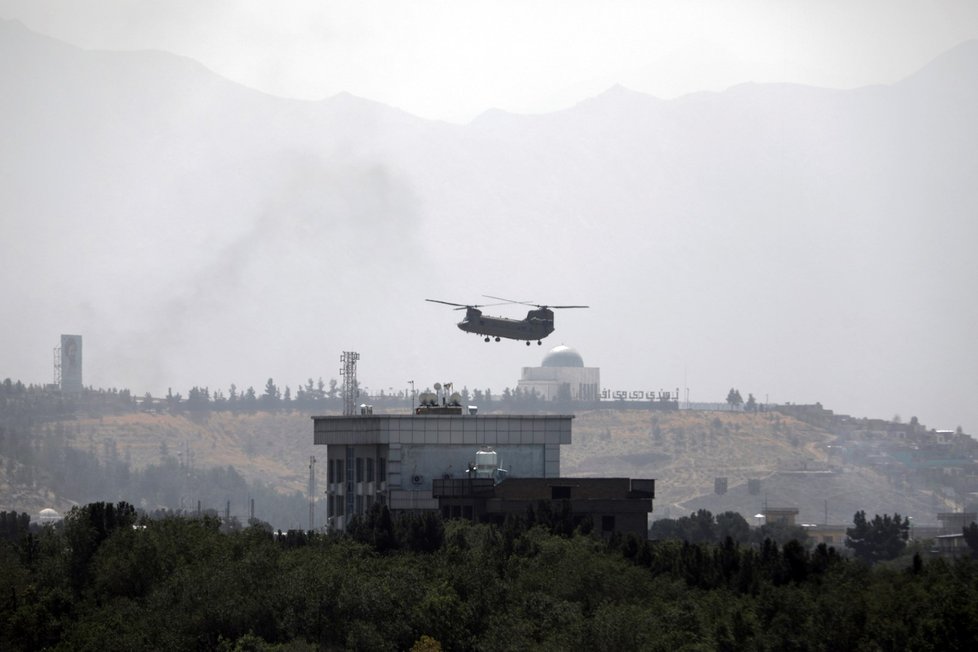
(460, 306)
(457, 306)
(449, 303)
(530, 303)
(525, 303)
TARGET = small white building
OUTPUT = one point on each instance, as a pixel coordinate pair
(48, 515)
(562, 376)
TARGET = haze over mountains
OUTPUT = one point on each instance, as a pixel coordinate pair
(797, 243)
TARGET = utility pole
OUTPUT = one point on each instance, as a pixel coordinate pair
(312, 493)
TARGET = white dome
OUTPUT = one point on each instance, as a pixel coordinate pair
(563, 356)
(49, 514)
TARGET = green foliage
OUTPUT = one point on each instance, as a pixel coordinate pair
(178, 583)
(734, 399)
(881, 539)
(971, 538)
(703, 527)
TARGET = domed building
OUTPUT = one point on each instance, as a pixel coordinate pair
(48, 515)
(562, 375)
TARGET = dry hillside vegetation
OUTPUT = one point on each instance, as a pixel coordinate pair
(271, 448)
(685, 451)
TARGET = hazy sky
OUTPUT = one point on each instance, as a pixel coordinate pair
(452, 59)
(164, 230)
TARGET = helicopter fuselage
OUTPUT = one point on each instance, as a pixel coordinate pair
(536, 326)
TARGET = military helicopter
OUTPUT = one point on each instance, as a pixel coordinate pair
(537, 325)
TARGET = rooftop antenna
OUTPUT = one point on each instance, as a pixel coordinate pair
(349, 372)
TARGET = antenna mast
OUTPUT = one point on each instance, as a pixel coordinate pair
(349, 372)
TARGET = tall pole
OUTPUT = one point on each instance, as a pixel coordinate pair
(412, 395)
(312, 493)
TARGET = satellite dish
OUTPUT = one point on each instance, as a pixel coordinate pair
(437, 386)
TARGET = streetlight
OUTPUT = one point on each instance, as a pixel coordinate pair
(411, 382)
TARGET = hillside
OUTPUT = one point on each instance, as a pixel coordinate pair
(684, 452)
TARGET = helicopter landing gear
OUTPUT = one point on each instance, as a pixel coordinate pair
(487, 338)
(539, 342)
(528, 342)
(497, 339)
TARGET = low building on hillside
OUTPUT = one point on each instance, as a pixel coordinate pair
(830, 535)
(951, 545)
(783, 515)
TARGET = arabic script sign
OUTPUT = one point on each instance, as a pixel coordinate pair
(638, 395)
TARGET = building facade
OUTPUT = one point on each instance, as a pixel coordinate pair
(70, 364)
(610, 504)
(393, 459)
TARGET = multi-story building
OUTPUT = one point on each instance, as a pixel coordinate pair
(393, 458)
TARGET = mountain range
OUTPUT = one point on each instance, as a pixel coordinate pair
(798, 243)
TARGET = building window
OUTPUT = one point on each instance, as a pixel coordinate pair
(359, 506)
(340, 505)
(607, 523)
(382, 470)
(359, 476)
(330, 471)
(560, 492)
(370, 469)
(339, 470)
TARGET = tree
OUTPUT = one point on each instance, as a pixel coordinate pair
(270, 399)
(734, 398)
(751, 405)
(881, 539)
(250, 399)
(733, 525)
(971, 538)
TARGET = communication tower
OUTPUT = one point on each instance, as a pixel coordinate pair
(349, 372)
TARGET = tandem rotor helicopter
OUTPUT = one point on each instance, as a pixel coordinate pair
(537, 325)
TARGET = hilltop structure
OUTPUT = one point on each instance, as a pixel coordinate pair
(68, 364)
(562, 376)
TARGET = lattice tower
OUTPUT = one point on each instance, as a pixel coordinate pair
(349, 372)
